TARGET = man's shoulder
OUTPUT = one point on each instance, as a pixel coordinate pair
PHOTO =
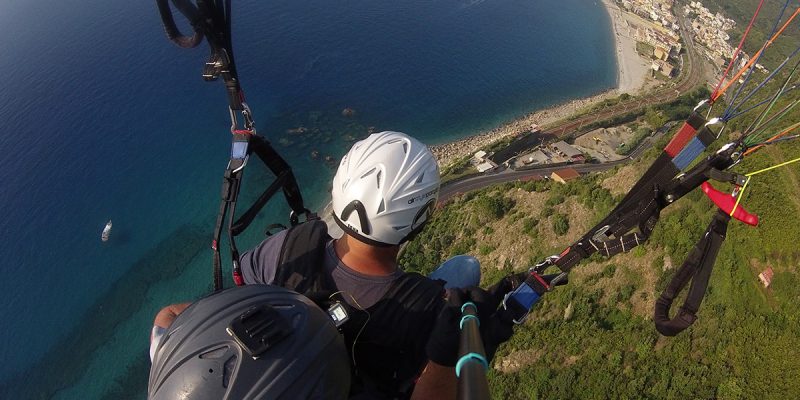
(418, 289)
(259, 264)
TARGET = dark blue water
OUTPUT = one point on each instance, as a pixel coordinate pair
(104, 119)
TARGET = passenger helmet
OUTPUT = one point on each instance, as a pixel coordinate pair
(251, 342)
(385, 188)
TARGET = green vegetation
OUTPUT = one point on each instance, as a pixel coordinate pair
(459, 169)
(493, 207)
(746, 343)
(610, 102)
(645, 50)
(560, 224)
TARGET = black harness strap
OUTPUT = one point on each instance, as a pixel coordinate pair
(212, 19)
(284, 179)
(697, 267)
(642, 206)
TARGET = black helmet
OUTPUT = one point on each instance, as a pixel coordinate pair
(251, 342)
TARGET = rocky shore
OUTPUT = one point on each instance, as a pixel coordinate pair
(631, 76)
(447, 153)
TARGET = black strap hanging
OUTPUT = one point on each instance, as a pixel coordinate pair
(697, 267)
(211, 19)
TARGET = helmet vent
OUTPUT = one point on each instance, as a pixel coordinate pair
(227, 372)
(400, 228)
(382, 207)
(368, 173)
(405, 147)
(379, 180)
(421, 176)
(214, 354)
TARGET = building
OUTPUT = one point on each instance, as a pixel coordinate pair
(766, 277)
(479, 156)
(567, 151)
(486, 166)
(536, 157)
(564, 175)
(661, 53)
(664, 68)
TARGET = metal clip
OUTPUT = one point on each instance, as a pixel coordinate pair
(294, 218)
(700, 104)
(541, 266)
(516, 321)
(247, 118)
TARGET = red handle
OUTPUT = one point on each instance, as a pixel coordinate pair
(726, 202)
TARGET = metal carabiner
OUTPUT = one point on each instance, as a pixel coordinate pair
(700, 104)
(541, 266)
(247, 119)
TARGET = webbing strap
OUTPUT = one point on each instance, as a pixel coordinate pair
(686, 133)
(642, 206)
(697, 267)
(693, 149)
(231, 185)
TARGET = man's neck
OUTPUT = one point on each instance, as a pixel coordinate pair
(364, 258)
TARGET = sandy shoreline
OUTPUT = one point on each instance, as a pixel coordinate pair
(631, 76)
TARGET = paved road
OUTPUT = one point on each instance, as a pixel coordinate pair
(690, 78)
(510, 175)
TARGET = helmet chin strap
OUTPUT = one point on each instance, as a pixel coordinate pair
(354, 233)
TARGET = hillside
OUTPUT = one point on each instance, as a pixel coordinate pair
(745, 343)
(595, 338)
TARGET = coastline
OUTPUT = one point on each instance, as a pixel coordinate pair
(631, 77)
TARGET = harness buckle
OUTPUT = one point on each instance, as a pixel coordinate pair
(294, 217)
(723, 176)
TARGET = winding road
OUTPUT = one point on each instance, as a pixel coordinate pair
(690, 77)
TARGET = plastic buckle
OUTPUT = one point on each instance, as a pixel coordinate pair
(294, 218)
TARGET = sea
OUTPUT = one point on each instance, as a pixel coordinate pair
(104, 119)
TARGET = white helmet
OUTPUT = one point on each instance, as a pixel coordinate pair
(385, 189)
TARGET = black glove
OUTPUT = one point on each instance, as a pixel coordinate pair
(443, 344)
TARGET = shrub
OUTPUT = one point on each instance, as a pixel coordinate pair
(560, 224)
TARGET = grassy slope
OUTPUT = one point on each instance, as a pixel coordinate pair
(745, 344)
(747, 339)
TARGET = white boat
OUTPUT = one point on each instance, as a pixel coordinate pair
(106, 231)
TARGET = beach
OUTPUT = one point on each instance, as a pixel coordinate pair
(632, 73)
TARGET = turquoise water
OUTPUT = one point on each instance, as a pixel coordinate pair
(104, 119)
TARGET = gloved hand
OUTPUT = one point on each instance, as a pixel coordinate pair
(443, 344)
